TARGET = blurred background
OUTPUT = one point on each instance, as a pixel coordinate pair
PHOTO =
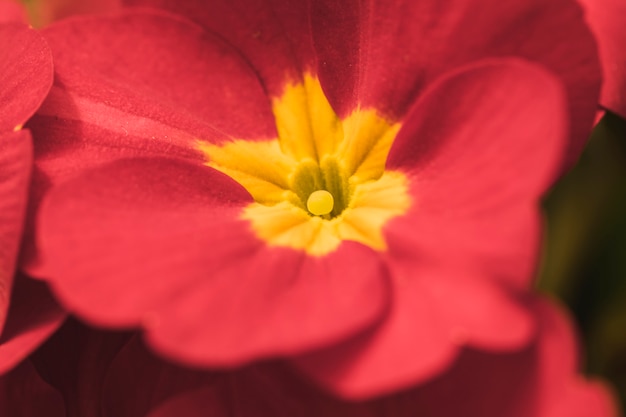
(584, 259)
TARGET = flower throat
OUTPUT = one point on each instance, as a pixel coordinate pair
(322, 180)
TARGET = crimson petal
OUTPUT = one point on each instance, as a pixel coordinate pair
(159, 243)
(25, 74)
(15, 166)
(606, 18)
(479, 148)
(383, 55)
(537, 381)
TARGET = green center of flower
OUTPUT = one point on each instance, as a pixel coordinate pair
(322, 189)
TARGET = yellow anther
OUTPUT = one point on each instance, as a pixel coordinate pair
(320, 202)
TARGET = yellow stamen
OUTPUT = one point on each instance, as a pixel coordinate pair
(323, 180)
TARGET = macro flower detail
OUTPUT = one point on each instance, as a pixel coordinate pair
(236, 198)
(28, 314)
(323, 181)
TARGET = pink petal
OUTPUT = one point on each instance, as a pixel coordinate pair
(12, 11)
(15, 165)
(138, 93)
(479, 148)
(606, 18)
(25, 74)
(273, 35)
(159, 243)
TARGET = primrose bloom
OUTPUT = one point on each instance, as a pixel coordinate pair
(28, 313)
(352, 186)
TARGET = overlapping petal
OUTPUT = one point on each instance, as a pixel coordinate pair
(15, 166)
(479, 154)
(28, 314)
(389, 52)
(540, 380)
(26, 77)
(273, 35)
(25, 74)
(160, 244)
(129, 238)
(535, 382)
(606, 18)
(139, 93)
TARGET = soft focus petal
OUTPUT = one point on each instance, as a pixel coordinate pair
(12, 11)
(273, 35)
(479, 153)
(606, 18)
(160, 244)
(534, 382)
(32, 318)
(389, 53)
(151, 84)
(15, 165)
(481, 148)
(25, 74)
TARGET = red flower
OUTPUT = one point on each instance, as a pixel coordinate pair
(415, 255)
(27, 312)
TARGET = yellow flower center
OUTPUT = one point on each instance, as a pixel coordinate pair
(323, 180)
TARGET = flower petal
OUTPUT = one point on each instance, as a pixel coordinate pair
(12, 11)
(382, 55)
(606, 18)
(273, 35)
(15, 166)
(480, 148)
(137, 92)
(151, 83)
(471, 149)
(161, 244)
(25, 74)
(536, 381)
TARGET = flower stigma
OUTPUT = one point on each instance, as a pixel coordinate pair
(323, 180)
(320, 202)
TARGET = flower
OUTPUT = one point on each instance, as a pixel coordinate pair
(28, 313)
(170, 159)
